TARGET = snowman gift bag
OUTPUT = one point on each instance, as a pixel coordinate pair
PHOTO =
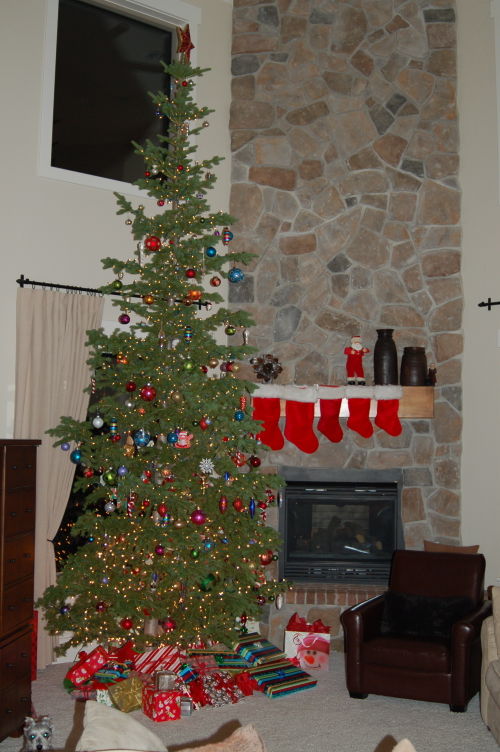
(307, 645)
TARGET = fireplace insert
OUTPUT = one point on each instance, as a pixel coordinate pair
(340, 529)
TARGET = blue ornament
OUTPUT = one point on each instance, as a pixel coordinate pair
(251, 507)
(172, 437)
(236, 275)
(208, 545)
(122, 470)
(75, 456)
(239, 415)
(224, 540)
(105, 580)
(227, 476)
(64, 609)
(211, 252)
(65, 446)
(113, 426)
(141, 437)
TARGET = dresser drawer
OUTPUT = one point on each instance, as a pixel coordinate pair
(18, 558)
(19, 511)
(15, 705)
(17, 606)
(20, 467)
(15, 660)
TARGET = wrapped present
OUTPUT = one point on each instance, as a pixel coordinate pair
(280, 680)
(103, 696)
(187, 706)
(216, 688)
(112, 672)
(165, 679)
(202, 664)
(164, 658)
(87, 666)
(256, 649)
(127, 694)
(160, 705)
(231, 662)
(308, 644)
(187, 673)
(246, 683)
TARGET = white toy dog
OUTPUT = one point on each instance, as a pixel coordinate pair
(37, 733)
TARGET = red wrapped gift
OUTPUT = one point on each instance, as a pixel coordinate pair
(87, 666)
(161, 705)
(247, 683)
(164, 658)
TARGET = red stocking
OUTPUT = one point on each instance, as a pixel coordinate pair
(298, 425)
(387, 410)
(328, 423)
(267, 409)
(359, 410)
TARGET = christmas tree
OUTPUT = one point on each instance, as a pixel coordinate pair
(176, 545)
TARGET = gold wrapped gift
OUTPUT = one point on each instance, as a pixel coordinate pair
(127, 694)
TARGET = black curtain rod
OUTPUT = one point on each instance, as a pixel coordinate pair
(22, 281)
(488, 303)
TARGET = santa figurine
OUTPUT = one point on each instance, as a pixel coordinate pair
(354, 363)
(183, 440)
(313, 652)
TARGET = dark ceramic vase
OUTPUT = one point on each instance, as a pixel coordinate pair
(385, 358)
(413, 367)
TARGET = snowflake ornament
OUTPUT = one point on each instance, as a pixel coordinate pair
(206, 466)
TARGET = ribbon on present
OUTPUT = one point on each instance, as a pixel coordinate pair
(297, 623)
(247, 683)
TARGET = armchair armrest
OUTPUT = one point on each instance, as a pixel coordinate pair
(469, 627)
(361, 622)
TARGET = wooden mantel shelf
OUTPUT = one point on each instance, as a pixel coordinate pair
(417, 402)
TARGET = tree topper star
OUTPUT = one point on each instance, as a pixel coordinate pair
(184, 43)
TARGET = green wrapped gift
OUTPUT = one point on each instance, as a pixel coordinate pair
(127, 694)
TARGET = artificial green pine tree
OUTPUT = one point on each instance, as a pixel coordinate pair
(174, 524)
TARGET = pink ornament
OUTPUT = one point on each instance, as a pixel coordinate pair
(198, 517)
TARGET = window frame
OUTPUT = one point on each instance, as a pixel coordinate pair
(168, 13)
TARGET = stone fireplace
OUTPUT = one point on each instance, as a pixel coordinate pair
(344, 143)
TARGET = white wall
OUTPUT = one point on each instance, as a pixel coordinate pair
(479, 178)
(57, 231)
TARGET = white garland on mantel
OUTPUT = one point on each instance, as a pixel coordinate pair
(314, 393)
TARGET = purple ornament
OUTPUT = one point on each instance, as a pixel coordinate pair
(124, 318)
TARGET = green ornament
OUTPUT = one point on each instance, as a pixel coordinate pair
(188, 365)
(110, 477)
(195, 554)
(207, 583)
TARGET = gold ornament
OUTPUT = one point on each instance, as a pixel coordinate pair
(213, 362)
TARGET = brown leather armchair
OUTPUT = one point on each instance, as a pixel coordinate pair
(422, 639)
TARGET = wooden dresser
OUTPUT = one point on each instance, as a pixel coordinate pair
(17, 554)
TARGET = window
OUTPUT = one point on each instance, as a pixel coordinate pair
(102, 59)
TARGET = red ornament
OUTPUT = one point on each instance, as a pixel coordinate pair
(161, 202)
(223, 504)
(126, 623)
(101, 606)
(239, 459)
(261, 600)
(130, 386)
(159, 550)
(162, 509)
(88, 472)
(190, 273)
(152, 243)
(266, 558)
(180, 168)
(198, 517)
(147, 174)
(215, 281)
(147, 393)
(204, 369)
(194, 294)
(203, 424)
(169, 624)
(115, 437)
(254, 461)
(238, 504)
(243, 403)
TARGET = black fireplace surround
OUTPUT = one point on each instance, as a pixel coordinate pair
(339, 525)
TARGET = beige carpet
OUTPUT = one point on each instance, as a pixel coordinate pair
(323, 719)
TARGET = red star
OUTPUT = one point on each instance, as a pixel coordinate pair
(184, 43)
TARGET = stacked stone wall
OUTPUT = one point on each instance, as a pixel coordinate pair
(344, 141)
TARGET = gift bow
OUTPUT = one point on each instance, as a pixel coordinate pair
(299, 624)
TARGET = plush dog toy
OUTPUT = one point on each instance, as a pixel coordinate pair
(37, 734)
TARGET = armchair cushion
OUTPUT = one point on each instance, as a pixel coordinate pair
(422, 617)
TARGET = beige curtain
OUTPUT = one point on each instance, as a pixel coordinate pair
(51, 373)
